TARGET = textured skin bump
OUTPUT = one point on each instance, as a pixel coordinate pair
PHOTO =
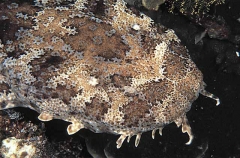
(99, 67)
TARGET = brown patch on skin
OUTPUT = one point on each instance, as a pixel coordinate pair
(45, 62)
(133, 112)
(112, 44)
(9, 26)
(175, 67)
(158, 91)
(96, 109)
(63, 93)
(4, 87)
(119, 81)
(180, 50)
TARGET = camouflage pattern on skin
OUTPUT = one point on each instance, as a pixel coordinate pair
(104, 70)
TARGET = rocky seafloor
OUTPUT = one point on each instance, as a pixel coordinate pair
(216, 128)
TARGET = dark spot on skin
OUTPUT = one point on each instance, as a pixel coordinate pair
(3, 104)
(24, 154)
(53, 60)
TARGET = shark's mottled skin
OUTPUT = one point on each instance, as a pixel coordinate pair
(99, 67)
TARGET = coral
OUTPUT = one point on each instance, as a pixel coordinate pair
(195, 7)
(12, 147)
(191, 7)
(20, 138)
(103, 68)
